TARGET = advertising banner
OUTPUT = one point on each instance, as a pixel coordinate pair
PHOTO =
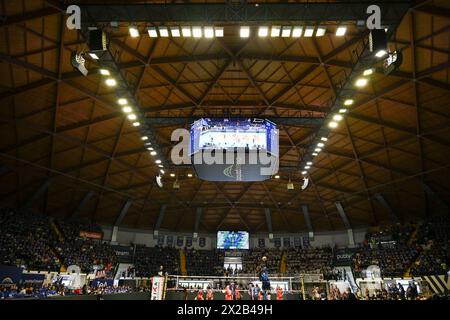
(91, 235)
(180, 241)
(261, 243)
(102, 282)
(10, 275)
(33, 278)
(157, 288)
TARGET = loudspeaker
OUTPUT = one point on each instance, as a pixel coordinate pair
(378, 40)
(97, 40)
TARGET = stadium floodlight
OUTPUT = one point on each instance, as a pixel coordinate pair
(160, 166)
(162, 171)
(175, 32)
(333, 125)
(315, 154)
(219, 32)
(317, 150)
(144, 138)
(93, 56)
(197, 32)
(150, 149)
(381, 53)
(277, 177)
(307, 167)
(321, 31)
(343, 110)
(275, 31)
(309, 163)
(172, 175)
(286, 32)
(297, 32)
(190, 175)
(309, 32)
(324, 139)
(338, 117)
(263, 31)
(368, 72)
(152, 32)
(136, 124)
(111, 82)
(158, 161)
(209, 32)
(361, 82)
(127, 109)
(105, 72)
(122, 101)
(134, 31)
(244, 32)
(186, 31)
(163, 32)
(153, 153)
(348, 102)
(132, 117)
(320, 145)
(341, 31)
(304, 173)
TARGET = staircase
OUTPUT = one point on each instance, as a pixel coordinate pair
(350, 279)
(283, 262)
(183, 269)
(56, 229)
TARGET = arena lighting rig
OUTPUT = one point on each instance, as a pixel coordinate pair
(265, 21)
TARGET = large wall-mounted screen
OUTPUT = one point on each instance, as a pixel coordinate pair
(224, 134)
(233, 240)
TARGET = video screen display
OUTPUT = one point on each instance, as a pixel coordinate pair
(223, 134)
(233, 240)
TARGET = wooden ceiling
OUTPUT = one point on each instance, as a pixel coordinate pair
(61, 127)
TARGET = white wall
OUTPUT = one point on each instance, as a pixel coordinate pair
(145, 237)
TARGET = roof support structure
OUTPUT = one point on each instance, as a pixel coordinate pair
(82, 204)
(341, 211)
(268, 215)
(36, 195)
(434, 194)
(307, 217)
(238, 12)
(387, 206)
(162, 212)
(198, 217)
(123, 212)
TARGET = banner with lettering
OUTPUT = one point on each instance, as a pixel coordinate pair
(261, 243)
(277, 242)
(91, 235)
(188, 242)
(180, 241)
(157, 288)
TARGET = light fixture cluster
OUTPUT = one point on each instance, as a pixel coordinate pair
(210, 32)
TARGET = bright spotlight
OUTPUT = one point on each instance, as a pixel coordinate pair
(343, 110)
(144, 138)
(134, 31)
(172, 175)
(277, 177)
(163, 32)
(341, 31)
(158, 161)
(304, 173)
(286, 32)
(321, 31)
(209, 32)
(190, 175)
(263, 31)
(309, 163)
(219, 32)
(94, 56)
(338, 117)
(111, 82)
(362, 82)
(127, 109)
(186, 32)
(318, 150)
(175, 31)
(132, 117)
(309, 31)
(320, 145)
(368, 72)
(307, 167)
(315, 154)
(244, 32)
(152, 32)
(324, 139)
(297, 32)
(105, 72)
(136, 124)
(333, 125)
(348, 102)
(275, 32)
(153, 153)
(197, 32)
(381, 53)
(122, 101)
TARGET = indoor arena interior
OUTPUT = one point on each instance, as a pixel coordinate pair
(225, 150)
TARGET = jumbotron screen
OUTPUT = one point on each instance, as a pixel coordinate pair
(224, 134)
(233, 240)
